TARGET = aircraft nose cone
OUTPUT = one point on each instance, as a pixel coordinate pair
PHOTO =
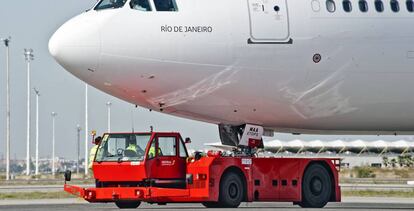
(75, 45)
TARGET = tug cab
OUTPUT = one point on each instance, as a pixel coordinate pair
(141, 159)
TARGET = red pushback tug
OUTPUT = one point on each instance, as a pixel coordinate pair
(154, 167)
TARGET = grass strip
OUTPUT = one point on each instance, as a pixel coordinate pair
(36, 195)
(43, 182)
(371, 193)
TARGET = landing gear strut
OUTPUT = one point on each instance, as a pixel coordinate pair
(230, 134)
(247, 138)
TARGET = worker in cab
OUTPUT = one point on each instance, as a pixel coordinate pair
(133, 150)
(151, 151)
(93, 151)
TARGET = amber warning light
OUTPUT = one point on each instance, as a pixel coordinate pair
(93, 133)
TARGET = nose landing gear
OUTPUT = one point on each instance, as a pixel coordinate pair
(247, 138)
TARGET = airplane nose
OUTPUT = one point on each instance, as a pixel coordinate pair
(75, 45)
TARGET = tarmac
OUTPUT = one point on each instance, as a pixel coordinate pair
(348, 203)
(354, 187)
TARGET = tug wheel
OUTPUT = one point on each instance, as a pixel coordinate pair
(231, 191)
(211, 204)
(316, 187)
(127, 204)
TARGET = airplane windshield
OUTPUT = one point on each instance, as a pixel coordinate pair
(110, 4)
(122, 147)
(142, 5)
(165, 5)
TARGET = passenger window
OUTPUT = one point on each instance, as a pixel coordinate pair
(379, 6)
(347, 5)
(363, 6)
(330, 5)
(395, 6)
(167, 146)
(165, 5)
(141, 5)
(109, 4)
(410, 5)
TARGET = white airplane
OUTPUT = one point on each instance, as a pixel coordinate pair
(299, 66)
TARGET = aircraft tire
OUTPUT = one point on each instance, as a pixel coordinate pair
(316, 187)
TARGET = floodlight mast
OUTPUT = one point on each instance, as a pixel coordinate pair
(54, 114)
(37, 131)
(78, 129)
(28, 55)
(86, 129)
(109, 104)
(7, 43)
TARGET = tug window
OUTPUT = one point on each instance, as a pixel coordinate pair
(395, 6)
(347, 5)
(410, 5)
(379, 6)
(363, 6)
(183, 151)
(167, 146)
(330, 5)
(110, 4)
(165, 5)
(122, 147)
(141, 5)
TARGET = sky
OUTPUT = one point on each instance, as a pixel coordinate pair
(31, 23)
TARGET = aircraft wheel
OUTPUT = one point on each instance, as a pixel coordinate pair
(316, 187)
(127, 204)
(231, 190)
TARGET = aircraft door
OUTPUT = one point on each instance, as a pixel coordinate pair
(269, 21)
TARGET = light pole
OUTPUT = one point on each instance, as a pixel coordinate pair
(86, 129)
(53, 143)
(108, 104)
(78, 129)
(28, 55)
(7, 43)
(37, 130)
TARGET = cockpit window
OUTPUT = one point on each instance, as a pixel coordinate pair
(410, 5)
(165, 5)
(142, 5)
(110, 4)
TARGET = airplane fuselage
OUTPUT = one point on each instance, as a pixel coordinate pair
(294, 68)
